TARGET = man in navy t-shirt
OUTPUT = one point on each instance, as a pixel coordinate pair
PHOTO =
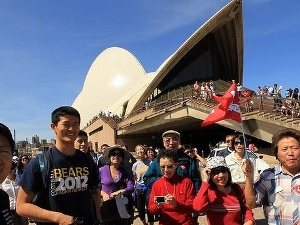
(73, 179)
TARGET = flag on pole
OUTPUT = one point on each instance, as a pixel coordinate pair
(228, 107)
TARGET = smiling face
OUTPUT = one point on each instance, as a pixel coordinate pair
(140, 152)
(289, 154)
(150, 154)
(219, 176)
(66, 129)
(5, 158)
(239, 146)
(81, 143)
(115, 157)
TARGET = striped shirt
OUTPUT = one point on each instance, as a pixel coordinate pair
(279, 194)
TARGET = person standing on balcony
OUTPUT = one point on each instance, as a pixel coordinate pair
(196, 90)
(239, 89)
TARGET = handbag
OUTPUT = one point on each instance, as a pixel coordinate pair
(114, 209)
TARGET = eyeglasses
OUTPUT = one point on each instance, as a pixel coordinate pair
(238, 142)
(174, 139)
(188, 152)
(228, 141)
(24, 159)
(4, 154)
(217, 170)
(116, 154)
(167, 166)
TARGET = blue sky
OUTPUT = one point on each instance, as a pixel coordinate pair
(47, 47)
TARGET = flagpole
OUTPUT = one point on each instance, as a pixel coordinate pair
(244, 137)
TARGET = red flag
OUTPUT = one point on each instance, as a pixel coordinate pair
(228, 107)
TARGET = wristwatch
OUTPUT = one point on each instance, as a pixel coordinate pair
(74, 220)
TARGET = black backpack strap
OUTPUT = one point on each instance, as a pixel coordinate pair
(44, 162)
(239, 197)
(42, 199)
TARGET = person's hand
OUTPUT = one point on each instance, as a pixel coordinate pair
(247, 168)
(105, 196)
(249, 222)
(206, 174)
(170, 199)
(116, 193)
(195, 151)
(158, 204)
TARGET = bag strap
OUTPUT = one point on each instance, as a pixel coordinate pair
(44, 163)
(242, 205)
(41, 198)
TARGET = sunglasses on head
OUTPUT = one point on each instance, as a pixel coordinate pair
(219, 169)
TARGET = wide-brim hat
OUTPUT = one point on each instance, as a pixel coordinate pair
(216, 161)
(172, 132)
(108, 150)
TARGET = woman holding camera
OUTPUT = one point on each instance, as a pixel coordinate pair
(172, 195)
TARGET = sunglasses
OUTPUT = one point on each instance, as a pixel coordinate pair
(217, 170)
(228, 141)
(238, 142)
(188, 152)
(167, 166)
(119, 154)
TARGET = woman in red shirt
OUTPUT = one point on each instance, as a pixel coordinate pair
(221, 200)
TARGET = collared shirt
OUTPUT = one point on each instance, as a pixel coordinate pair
(224, 152)
(279, 193)
(235, 167)
(11, 188)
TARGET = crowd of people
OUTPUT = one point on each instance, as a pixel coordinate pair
(203, 91)
(287, 103)
(70, 183)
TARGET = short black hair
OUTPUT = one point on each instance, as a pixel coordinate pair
(281, 134)
(82, 133)
(7, 134)
(62, 111)
(171, 154)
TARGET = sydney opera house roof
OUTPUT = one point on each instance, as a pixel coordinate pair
(117, 82)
